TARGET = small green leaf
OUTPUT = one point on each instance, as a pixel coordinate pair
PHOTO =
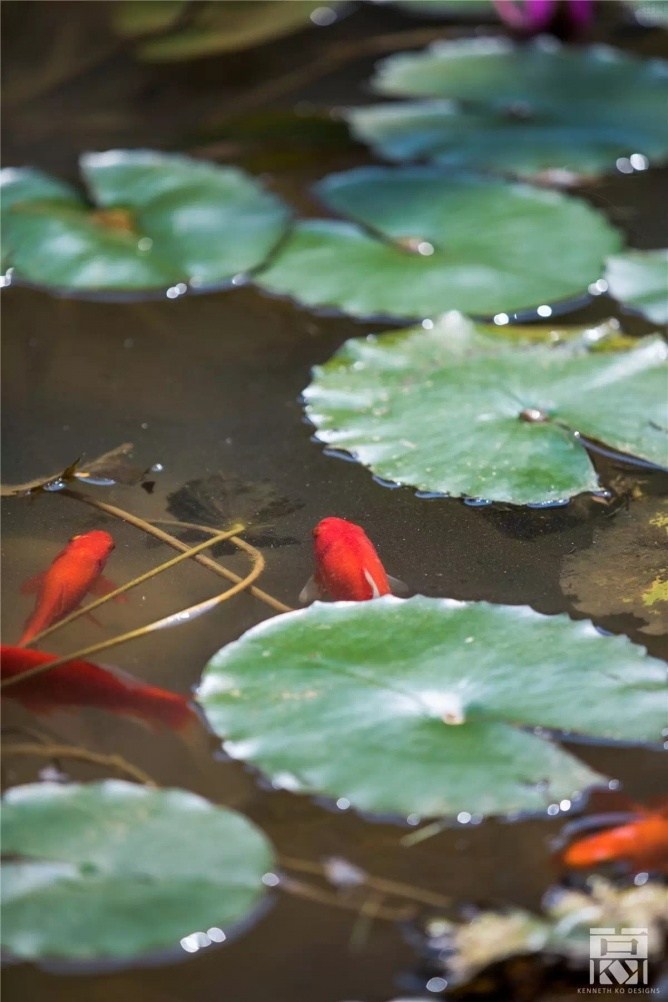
(428, 706)
(112, 869)
(455, 410)
(420, 241)
(625, 570)
(158, 219)
(639, 280)
(527, 109)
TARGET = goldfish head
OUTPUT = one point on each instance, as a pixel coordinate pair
(332, 528)
(97, 542)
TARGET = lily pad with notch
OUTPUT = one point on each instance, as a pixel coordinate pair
(429, 706)
(102, 869)
(460, 410)
(156, 220)
(416, 241)
(524, 109)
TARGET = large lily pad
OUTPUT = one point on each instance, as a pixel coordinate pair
(522, 109)
(112, 869)
(157, 219)
(455, 410)
(428, 706)
(625, 570)
(639, 280)
(418, 242)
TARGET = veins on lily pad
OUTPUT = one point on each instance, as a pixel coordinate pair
(460, 410)
(415, 241)
(158, 221)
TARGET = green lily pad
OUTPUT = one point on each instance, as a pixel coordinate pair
(157, 219)
(215, 27)
(420, 241)
(625, 570)
(639, 280)
(653, 13)
(428, 706)
(527, 109)
(112, 869)
(456, 410)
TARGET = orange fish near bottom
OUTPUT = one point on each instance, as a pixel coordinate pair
(642, 842)
(78, 684)
(62, 586)
(347, 565)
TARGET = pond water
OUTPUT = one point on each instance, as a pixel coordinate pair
(209, 386)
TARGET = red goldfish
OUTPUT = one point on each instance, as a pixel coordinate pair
(347, 565)
(61, 587)
(642, 842)
(81, 683)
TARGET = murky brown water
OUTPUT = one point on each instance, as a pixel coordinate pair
(209, 385)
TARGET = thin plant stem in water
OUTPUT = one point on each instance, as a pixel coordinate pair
(52, 751)
(85, 610)
(310, 892)
(175, 619)
(390, 888)
(176, 544)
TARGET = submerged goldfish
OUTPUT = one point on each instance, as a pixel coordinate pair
(347, 565)
(61, 587)
(641, 842)
(81, 683)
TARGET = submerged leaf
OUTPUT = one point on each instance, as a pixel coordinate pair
(418, 241)
(428, 706)
(639, 280)
(217, 27)
(625, 570)
(455, 410)
(158, 219)
(102, 869)
(113, 467)
(525, 109)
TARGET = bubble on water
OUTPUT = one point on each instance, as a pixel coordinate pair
(323, 16)
(464, 817)
(343, 804)
(436, 985)
(553, 809)
(598, 287)
(428, 325)
(501, 319)
(390, 484)
(271, 880)
(557, 503)
(639, 161)
(544, 311)
(477, 502)
(430, 495)
(624, 165)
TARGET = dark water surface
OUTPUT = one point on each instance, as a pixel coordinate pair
(209, 385)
